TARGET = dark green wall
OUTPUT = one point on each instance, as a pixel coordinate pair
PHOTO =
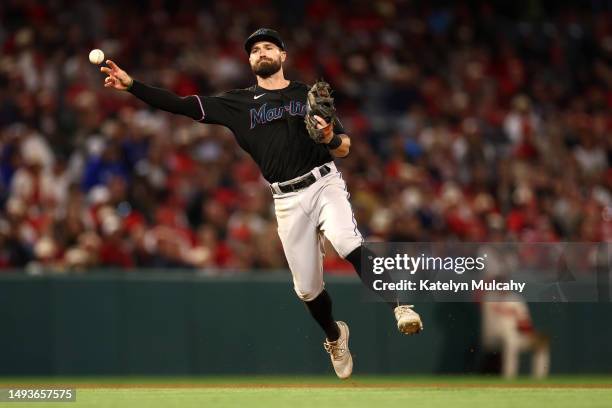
(173, 323)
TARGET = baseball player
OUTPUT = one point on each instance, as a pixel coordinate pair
(310, 196)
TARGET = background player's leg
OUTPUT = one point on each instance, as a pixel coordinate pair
(302, 246)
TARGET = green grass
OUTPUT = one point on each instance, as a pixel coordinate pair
(321, 392)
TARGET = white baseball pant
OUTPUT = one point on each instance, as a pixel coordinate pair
(307, 216)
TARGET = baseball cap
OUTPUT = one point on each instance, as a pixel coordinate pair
(264, 34)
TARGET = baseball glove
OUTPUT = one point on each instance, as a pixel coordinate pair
(319, 102)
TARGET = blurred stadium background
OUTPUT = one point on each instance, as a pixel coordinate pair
(137, 242)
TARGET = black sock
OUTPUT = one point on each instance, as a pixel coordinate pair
(368, 278)
(321, 310)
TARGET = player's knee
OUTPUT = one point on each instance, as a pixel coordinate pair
(344, 244)
(308, 294)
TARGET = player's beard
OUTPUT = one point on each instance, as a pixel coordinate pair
(266, 68)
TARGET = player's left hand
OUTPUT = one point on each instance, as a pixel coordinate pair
(327, 129)
(320, 113)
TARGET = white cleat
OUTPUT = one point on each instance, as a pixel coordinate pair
(339, 352)
(408, 321)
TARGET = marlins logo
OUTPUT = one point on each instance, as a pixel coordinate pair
(264, 114)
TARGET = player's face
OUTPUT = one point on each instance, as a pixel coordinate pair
(266, 59)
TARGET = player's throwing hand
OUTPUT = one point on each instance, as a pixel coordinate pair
(117, 78)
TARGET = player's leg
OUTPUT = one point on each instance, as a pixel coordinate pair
(336, 220)
(408, 321)
(512, 344)
(302, 247)
(540, 360)
(320, 309)
(302, 244)
(355, 257)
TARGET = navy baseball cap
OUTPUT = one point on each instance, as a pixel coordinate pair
(264, 34)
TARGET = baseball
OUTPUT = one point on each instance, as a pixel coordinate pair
(96, 56)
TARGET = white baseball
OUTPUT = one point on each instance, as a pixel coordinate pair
(96, 56)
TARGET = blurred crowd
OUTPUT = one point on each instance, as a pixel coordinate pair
(469, 122)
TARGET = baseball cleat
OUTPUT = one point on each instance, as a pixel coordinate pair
(408, 321)
(339, 352)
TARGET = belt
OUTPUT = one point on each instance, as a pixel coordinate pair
(302, 182)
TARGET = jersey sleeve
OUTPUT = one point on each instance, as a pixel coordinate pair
(217, 110)
(165, 100)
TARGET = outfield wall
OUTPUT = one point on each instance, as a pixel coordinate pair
(176, 323)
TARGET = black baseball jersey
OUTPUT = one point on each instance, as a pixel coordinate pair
(269, 125)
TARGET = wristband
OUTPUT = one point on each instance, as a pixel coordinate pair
(334, 143)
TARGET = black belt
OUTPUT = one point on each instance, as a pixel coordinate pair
(304, 182)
